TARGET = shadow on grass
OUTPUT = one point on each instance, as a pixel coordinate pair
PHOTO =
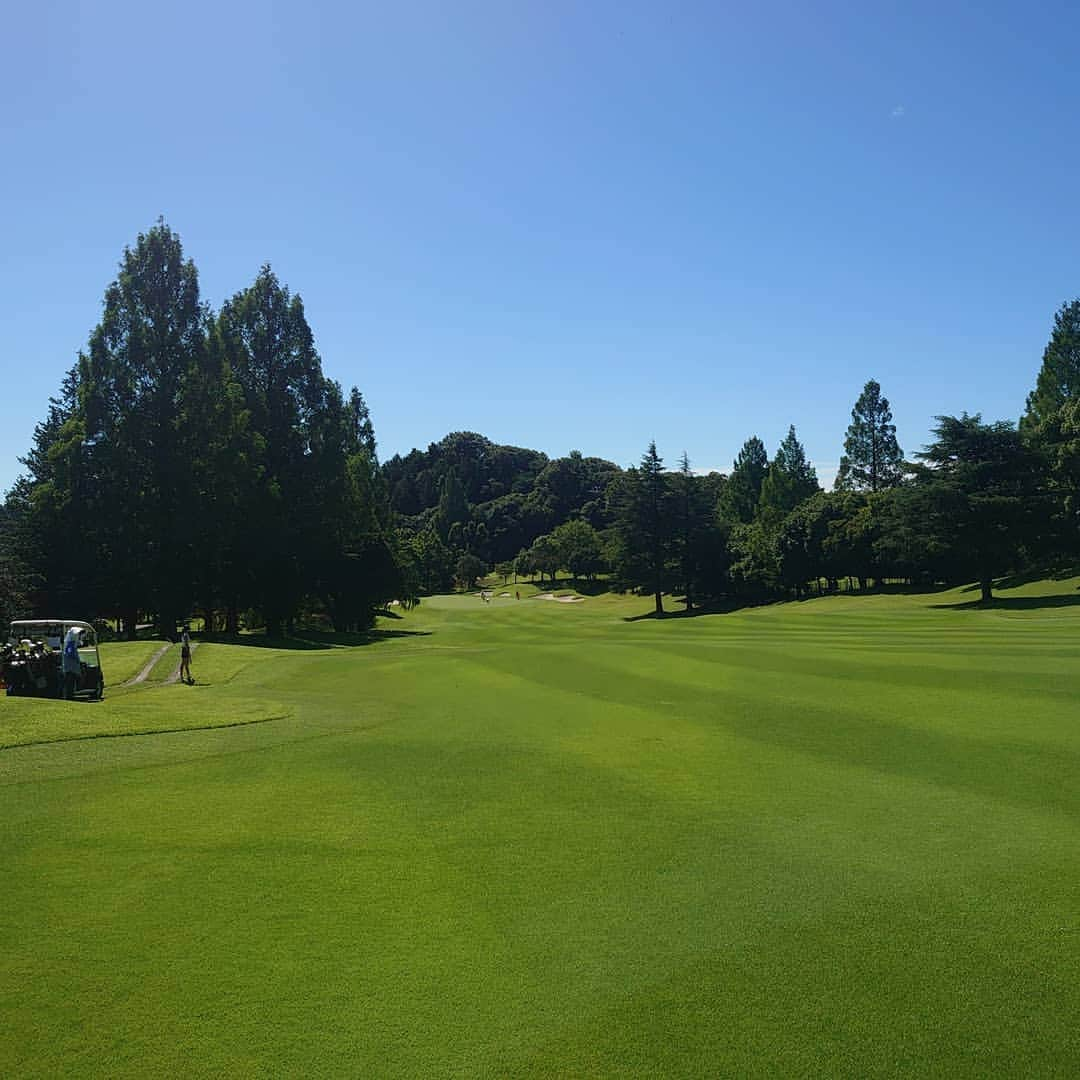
(1029, 577)
(711, 609)
(1013, 603)
(312, 640)
(894, 588)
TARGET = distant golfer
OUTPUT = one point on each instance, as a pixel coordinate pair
(185, 656)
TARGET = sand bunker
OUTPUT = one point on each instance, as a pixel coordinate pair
(560, 599)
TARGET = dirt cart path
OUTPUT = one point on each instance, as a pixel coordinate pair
(142, 676)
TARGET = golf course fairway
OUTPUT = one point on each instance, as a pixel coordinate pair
(527, 838)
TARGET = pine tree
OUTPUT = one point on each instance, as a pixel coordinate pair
(742, 490)
(643, 527)
(45, 503)
(691, 529)
(271, 351)
(151, 337)
(1059, 376)
(872, 457)
(223, 454)
(791, 479)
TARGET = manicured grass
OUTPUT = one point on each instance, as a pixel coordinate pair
(123, 660)
(25, 721)
(530, 839)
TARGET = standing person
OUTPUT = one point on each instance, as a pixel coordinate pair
(70, 668)
(185, 656)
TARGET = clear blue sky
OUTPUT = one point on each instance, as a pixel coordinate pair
(565, 225)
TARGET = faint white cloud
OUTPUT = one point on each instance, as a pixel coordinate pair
(898, 111)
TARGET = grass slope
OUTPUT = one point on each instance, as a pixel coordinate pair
(527, 838)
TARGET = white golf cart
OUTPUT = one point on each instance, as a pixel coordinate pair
(52, 658)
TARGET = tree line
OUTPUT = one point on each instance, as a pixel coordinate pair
(982, 500)
(200, 461)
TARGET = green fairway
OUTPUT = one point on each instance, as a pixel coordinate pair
(533, 838)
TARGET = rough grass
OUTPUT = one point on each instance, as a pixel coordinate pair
(525, 838)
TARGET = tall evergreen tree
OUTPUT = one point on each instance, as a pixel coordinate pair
(224, 456)
(44, 503)
(872, 458)
(1059, 376)
(1058, 442)
(740, 495)
(643, 528)
(692, 525)
(791, 479)
(15, 574)
(271, 351)
(151, 337)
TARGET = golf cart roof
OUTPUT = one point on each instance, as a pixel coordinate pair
(52, 622)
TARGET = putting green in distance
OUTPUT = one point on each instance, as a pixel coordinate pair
(528, 838)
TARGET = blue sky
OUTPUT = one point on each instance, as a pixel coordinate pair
(565, 225)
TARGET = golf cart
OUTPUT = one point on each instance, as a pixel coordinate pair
(51, 658)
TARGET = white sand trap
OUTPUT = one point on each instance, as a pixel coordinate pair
(502, 594)
(569, 599)
(544, 596)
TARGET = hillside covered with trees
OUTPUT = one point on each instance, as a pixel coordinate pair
(201, 461)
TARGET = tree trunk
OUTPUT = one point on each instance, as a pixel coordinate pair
(131, 621)
(659, 603)
(232, 620)
(985, 585)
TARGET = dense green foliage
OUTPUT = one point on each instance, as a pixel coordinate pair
(194, 461)
(1058, 381)
(826, 839)
(502, 498)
